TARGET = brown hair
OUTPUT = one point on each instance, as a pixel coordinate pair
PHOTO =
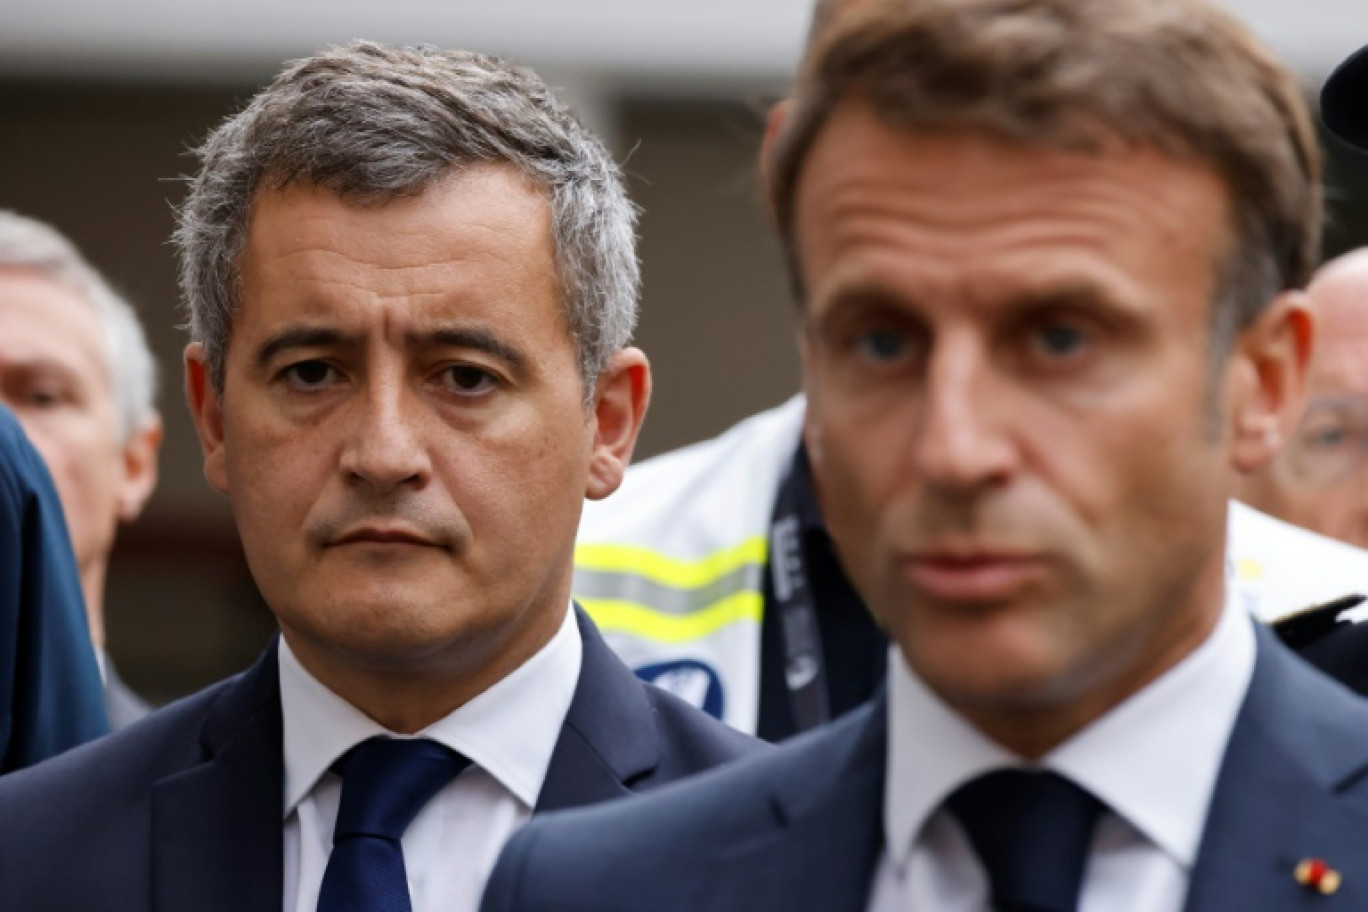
(1180, 76)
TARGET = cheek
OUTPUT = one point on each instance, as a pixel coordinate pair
(529, 484)
(860, 467)
(1147, 453)
(1339, 514)
(274, 478)
(82, 458)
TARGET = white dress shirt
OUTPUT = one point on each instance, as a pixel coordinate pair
(508, 733)
(1153, 761)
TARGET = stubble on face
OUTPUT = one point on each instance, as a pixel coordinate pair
(1008, 409)
(405, 443)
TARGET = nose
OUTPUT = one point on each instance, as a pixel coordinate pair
(964, 442)
(385, 448)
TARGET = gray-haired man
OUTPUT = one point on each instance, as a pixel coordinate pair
(411, 283)
(76, 370)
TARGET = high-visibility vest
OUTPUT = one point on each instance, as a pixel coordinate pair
(671, 567)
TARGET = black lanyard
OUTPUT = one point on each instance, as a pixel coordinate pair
(796, 608)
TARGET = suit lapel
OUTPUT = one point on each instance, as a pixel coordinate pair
(607, 742)
(1298, 743)
(828, 826)
(216, 827)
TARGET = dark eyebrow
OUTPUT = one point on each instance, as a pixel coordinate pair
(321, 337)
(1066, 294)
(298, 337)
(477, 339)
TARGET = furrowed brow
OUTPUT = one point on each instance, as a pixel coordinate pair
(297, 337)
(480, 340)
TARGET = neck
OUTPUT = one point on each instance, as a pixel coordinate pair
(1033, 729)
(92, 590)
(408, 693)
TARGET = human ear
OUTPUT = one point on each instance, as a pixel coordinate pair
(207, 411)
(621, 395)
(1268, 386)
(140, 453)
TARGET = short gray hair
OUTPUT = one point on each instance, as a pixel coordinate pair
(374, 123)
(27, 243)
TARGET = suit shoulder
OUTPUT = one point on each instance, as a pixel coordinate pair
(111, 769)
(608, 856)
(692, 738)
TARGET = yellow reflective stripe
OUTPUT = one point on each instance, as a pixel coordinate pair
(669, 571)
(640, 620)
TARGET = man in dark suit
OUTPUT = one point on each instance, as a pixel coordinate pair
(412, 284)
(49, 684)
(1046, 254)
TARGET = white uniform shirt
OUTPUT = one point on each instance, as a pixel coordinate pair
(1153, 760)
(508, 732)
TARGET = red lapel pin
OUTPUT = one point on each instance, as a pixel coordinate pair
(1315, 874)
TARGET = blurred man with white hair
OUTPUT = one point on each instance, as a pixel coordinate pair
(76, 370)
(1318, 481)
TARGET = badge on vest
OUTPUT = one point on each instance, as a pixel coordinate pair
(690, 680)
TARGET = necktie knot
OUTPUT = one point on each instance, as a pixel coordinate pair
(387, 781)
(1032, 830)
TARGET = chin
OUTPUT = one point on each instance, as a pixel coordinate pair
(990, 667)
(383, 626)
(984, 682)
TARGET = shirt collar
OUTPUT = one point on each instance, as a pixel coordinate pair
(1126, 758)
(509, 730)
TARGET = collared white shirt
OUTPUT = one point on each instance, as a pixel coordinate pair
(1153, 761)
(508, 733)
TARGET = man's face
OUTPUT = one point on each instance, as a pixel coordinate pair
(402, 430)
(55, 375)
(1320, 478)
(1011, 405)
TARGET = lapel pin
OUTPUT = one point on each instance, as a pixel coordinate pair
(1315, 874)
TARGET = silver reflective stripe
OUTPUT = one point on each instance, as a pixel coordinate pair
(629, 587)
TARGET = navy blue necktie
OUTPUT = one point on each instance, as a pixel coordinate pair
(1032, 830)
(385, 783)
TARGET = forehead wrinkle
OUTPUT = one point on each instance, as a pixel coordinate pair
(994, 199)
(868, 235)
(857, 147)
(1094, 206)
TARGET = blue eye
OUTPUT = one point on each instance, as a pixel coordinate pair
(882, 345)
(1329, 438)
(1059, 340)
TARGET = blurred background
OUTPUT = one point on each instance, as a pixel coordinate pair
(101, 99)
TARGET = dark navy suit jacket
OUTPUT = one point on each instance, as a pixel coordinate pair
(50, 693)
(800, 830)
(183, 811)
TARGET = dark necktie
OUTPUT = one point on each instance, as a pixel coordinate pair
(1032, 830)
(385, 783)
